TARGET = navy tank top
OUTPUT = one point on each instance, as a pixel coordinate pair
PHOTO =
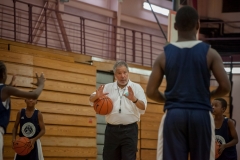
(223, 136)
(187, 75)
(4, 111)
(29, 127)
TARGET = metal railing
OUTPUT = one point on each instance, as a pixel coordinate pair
(48, 27)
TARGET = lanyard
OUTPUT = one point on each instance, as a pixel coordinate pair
(121, 98)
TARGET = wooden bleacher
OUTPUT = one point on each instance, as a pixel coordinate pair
(70, 121)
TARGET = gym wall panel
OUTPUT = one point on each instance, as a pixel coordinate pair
(21, 81)
(3, 46)
(134, 77)
(67, 87)
(22, 70)
(31, 46)
(34, 52)
(152, 117)
(64, 131)
(55, 141)
(65, 66)
(56, 108)
(64, 98)
(161, 88)
(15, 57)
(58, 119)
(69, 152)
(71, 124)
(66, 76)
(69, 120)
(149, 143)
(154, 108)
(146, 134)
(147, 154)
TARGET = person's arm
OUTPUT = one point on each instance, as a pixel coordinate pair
(216, 65)
(93, 98)
(155, 80)
(42, 129)
(11, 91)
(234, 135)
(13, 81)
(15, 127)
(138, 102)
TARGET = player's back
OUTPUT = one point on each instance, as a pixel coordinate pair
(187, 75)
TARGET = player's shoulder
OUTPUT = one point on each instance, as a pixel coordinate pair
(231, 121)
(212, 52)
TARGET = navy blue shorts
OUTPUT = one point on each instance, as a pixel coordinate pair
(186, 131)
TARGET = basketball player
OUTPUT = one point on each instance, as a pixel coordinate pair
(129, 101)
(32, 127)
(6, 92)
(187, 125)
(225, 131)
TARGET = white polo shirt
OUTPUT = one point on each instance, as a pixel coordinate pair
(129, 111)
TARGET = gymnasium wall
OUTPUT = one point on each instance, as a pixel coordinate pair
(213, 9)
(100, 41)
(69, 120)
(71, 124)
(23, 30)
(236, 104)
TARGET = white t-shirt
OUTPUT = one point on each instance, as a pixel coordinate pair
(129, 111)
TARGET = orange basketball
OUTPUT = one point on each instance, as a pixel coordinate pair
(22, 146)
(103, 106)
(217, 147)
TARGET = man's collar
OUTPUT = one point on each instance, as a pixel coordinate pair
(116, 86)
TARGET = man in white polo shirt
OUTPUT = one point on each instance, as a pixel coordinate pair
(129, 101)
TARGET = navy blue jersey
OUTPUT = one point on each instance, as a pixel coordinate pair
(223, 136)
(4, 111)
(187, 75)
(29, 127)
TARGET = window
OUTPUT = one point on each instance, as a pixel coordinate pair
(156, 9)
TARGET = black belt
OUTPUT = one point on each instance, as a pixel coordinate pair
(121, 125)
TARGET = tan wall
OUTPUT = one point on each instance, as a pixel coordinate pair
(70, 121)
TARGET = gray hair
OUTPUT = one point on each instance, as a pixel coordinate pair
(119, 64)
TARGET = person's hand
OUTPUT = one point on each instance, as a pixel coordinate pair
(40, 80)
(130, 94)
(99, 92)
(32, 142)
(13, 81)
(13, 143)
(221, 149)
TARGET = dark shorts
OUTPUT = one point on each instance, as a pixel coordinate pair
(187, 131)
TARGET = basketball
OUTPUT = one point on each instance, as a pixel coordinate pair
(103, 106)
(22, 146)
(217, 147)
